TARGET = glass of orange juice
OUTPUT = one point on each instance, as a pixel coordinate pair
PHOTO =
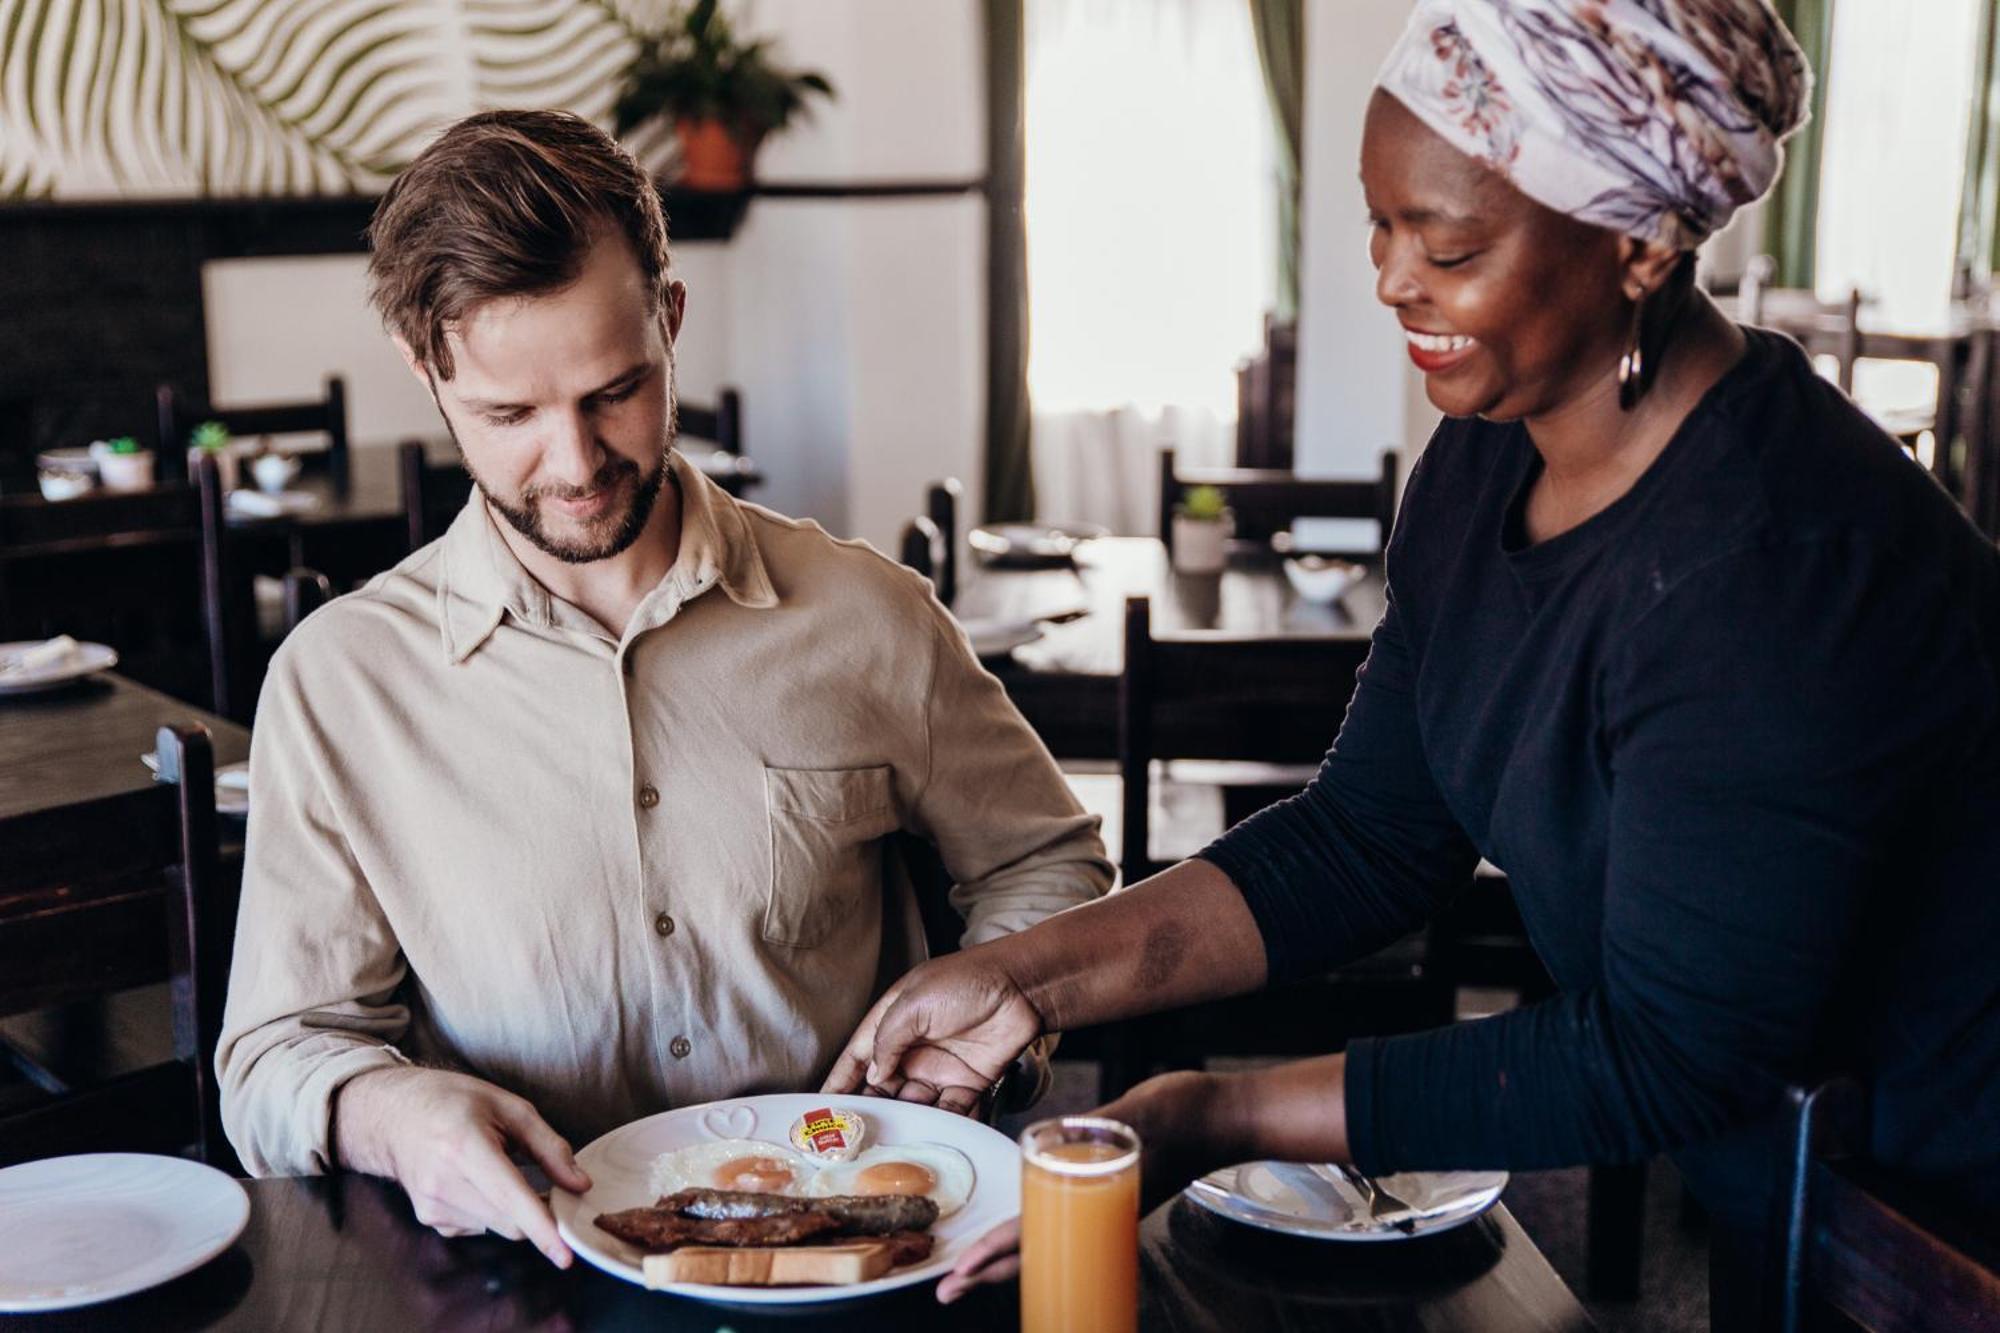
(1079, 1226)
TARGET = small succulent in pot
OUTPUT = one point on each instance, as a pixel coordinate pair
(1202, 526)
(122, 465)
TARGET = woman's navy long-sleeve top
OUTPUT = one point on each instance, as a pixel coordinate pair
(1735, 741)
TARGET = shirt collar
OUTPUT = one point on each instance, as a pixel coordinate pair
(481, 581)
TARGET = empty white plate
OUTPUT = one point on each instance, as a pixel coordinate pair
(1306, 1200)
(79, 1230)
(81, 659)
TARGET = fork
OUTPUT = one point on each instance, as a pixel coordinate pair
(1383, 1207)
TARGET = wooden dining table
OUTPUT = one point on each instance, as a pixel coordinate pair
(1066, 682)
(69, 759)
(343, 1254)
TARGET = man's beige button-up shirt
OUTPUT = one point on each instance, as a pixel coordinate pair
(616, 876)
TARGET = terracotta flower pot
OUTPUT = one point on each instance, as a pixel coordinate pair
(713, 156)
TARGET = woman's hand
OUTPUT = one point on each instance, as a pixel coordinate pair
(1187, 1126)
(943, 1034)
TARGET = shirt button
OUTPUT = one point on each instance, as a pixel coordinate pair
(664, 924)
(649, 796)
(680, 1046)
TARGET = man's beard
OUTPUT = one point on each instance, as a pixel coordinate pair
(605, 536)
(609, 535)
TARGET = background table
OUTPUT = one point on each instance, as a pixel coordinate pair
(1066, 683)
(344, 1254)
(73, 753)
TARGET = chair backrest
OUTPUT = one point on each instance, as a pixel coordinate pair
(1266, 502)
(1868, 1248)
(306, 591)
(85, 915)
(941, 504)
(228, 602)
(178, 416)
(923, 548)
(720, 425)
(1758, 275)
(1276, 701)
(125, 570)
(433, 493)
(1266, 391)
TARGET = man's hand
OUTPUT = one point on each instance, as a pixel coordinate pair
(943, 1035)
(445, 1138)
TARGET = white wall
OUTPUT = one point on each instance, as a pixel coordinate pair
(1358, 391)
(855, 328)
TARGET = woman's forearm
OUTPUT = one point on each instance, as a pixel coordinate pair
(1181, 937)
(1294, 1112)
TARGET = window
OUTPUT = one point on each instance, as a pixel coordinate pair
(1150, 205)
(1898, 106)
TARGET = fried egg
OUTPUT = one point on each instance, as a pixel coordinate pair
(733, 1164)
(938, 1173)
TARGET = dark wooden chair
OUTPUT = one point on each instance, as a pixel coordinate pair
(306, 591)
(1266, 395)
(1864, 1249)
(178, 416)
(1273, 706)
(941, 503)
(433, 493)
(1267, 502)
(124, 570)
(923, 549)
(930, 540)
(83, 916)
(720, 426)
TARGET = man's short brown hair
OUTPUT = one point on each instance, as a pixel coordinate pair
(504, 203)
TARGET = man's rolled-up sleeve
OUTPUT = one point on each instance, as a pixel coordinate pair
(1018, 844)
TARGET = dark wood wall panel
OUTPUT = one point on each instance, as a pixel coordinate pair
(101, 302)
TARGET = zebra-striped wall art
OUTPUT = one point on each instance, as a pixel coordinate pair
(127, 99)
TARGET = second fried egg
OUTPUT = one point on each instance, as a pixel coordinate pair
(938, 1173)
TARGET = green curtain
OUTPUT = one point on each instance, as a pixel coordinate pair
(1979, 202)
(1281, 49)
(1010, 477)
(1791, 215)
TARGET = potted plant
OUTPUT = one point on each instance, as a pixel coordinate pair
(122, 465)
(1202, 525)
(212, 438)
(722, 95)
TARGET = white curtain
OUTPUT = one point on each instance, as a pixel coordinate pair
(1151, 242)
(1900, 80)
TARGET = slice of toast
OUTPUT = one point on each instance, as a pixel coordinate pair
(769, 1265)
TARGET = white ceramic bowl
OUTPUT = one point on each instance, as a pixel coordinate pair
(1318, 578)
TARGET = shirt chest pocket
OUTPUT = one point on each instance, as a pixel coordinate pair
(826, 854)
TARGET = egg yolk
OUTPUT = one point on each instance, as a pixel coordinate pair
(894, 1178)
(759, 1175)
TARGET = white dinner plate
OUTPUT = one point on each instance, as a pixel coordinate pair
(997, 638)
(1302, 1200)
(79, 1230)
(620, 1163)
(86, 659)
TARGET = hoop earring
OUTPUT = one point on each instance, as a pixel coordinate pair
(1632, 365)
